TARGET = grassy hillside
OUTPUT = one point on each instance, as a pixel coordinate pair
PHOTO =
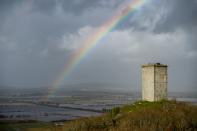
(140, 116)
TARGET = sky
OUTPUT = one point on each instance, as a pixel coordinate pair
(38, 36)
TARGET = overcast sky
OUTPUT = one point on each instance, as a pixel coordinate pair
(37, 37)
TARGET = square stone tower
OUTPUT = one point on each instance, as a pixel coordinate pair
(154, 82)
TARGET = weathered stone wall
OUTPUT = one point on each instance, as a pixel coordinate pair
(154, 82)
(148, 83)
(160, 84)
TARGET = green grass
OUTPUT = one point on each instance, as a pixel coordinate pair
(144, 105)
(22, 126)
(6, 127)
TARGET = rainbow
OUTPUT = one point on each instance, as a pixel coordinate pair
(94, 39)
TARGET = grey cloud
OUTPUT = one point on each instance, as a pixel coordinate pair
(32, 32)
(119, 56)
(167, 16)
(46, 6)
(79, 6)
(71, 6)
(183, 14)
(163, 16)
(7, 7)
(192, 45)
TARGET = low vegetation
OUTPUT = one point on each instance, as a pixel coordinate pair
(140, 116)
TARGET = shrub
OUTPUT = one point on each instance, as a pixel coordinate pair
(114, 111)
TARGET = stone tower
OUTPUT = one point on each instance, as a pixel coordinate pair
(154, 82)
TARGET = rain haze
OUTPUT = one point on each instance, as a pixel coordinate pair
(37, 38)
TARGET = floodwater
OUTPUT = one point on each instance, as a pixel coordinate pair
(24, 111)
(71, 105)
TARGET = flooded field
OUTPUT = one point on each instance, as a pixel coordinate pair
(70, 105)
(24, 111)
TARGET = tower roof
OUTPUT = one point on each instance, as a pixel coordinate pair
(154, 64)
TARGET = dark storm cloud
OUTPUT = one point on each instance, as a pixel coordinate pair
(193, 39)
(46, 6)
(9, 4)
(171, 15)
(5, 4)
(78, 6)
(182, 14)
(71, 6)
(167, 16)
(7, 7)
(38, 36)
(29, 38)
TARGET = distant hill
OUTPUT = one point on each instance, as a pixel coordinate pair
(140, 116)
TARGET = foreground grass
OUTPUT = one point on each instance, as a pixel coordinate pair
(23, 125)
(140, 116)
